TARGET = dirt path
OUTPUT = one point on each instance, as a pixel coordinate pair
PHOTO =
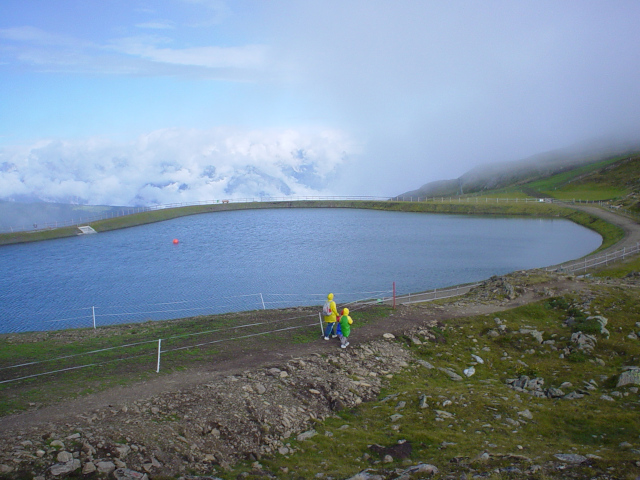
(630, 227)
(237, 358)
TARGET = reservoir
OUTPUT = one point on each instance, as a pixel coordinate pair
(269, 258)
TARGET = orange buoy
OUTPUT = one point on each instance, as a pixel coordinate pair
(175, 241)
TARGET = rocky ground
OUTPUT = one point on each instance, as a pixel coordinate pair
(197, 427)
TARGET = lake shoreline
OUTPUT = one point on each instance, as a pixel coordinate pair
(609, 232)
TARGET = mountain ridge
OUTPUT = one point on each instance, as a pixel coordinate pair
(520, 172)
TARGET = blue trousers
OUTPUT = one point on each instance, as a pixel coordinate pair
(329, 329)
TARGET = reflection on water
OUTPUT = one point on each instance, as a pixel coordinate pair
(282, 253)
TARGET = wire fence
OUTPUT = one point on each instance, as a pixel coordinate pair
(99, 316)
(222, 331)
(593, 261)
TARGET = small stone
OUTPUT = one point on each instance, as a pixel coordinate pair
(526, 414)
(88, 468)
(573, 458)
(421, 468)
(452, 375)
(387, 459)
(64, 457)
(64, 468)
(426, 364)
(388, 335)
(127, 474)
(123, 450)
(477, 358)
(105, 467)
(306, 435)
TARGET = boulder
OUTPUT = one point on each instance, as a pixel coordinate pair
(629, 377)
(65, 468)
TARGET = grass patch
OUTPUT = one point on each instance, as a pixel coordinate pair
(587, 192)
(628, 267)
(78, 362)
(489, 429)
(555, 182)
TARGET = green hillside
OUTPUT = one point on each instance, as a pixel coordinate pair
(606, 180)
(586, 178)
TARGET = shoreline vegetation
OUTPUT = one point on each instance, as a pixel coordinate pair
(610, 234)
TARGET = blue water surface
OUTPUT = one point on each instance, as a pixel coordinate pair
(252, 259)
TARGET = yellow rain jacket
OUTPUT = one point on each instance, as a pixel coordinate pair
(334, 311)
(345, 323)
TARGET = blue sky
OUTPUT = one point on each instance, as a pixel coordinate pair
(140, 101)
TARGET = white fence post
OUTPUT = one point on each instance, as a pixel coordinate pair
(93, 310)
(159, 346)
(262, 300)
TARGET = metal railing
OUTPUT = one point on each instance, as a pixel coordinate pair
(593, 261)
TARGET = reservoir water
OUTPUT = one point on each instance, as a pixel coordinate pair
(254, 259)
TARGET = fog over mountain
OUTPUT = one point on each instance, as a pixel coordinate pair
(168, 101)
(502, 174)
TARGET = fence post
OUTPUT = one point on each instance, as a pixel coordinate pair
(321, 325)
(394, 295)
(93, 311)
(159, 346)
(262, 300)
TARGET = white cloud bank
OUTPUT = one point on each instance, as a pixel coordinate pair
(176, 165)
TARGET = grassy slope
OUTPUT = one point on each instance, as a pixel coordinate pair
(106, 366)
(486, 416)
(604, 180)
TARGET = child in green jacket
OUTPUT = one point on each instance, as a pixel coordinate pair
(345, 328)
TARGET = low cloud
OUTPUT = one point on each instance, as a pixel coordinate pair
(176, 165)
